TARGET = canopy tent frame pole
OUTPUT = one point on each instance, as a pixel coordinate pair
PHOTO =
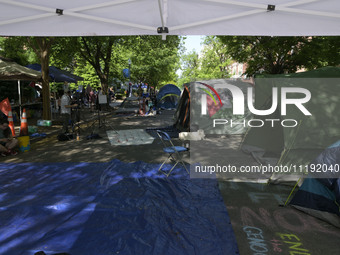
(111, 21)
(283, 7)
(52, 10)
(72, 12)
(260, 8)
(164, 15)
(51, 107)
(79, 15)
(101, 5)
(314, 13)
(290, 194)
(19, 92)
(24, 19)
(26, 5)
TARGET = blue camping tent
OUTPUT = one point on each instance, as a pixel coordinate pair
(168, 96)
(319, 194)
(57, 75)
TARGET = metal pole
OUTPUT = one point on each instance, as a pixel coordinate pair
(19, 91)
(130, 85)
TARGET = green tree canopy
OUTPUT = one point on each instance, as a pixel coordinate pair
(17, 49)
(214, 60)
(211, 63)
(189, 67)
(154, 60)
(276, 55)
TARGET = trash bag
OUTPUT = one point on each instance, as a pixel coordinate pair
(65, 137)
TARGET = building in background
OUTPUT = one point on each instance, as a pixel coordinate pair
(237, 70)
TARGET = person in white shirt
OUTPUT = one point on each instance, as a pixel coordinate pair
(65, 110)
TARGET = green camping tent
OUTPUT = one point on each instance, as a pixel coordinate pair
(296, 146)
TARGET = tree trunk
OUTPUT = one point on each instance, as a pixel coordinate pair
(44, 60)
(42, 47)
(105, 86)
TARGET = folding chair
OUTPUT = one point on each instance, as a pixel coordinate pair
(175, 152)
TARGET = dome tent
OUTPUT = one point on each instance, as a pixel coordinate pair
(319, 195)
(167, 97)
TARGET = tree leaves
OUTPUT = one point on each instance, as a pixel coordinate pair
(275, 55)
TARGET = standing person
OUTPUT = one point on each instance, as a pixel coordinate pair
(87, 92)
(7, 142)
(65, 110)
(142, 107)
(99, 93)
(128, 91)
(140, 90)
(111, 95)
(92, 100)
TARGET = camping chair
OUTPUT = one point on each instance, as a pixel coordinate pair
(174, 152)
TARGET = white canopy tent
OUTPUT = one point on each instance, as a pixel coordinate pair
(169, 17)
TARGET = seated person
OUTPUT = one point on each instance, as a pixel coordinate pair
(7, 142)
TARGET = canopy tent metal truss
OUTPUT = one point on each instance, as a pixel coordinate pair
(169, 17)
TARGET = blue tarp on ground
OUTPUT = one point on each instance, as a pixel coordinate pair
(110, 208)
